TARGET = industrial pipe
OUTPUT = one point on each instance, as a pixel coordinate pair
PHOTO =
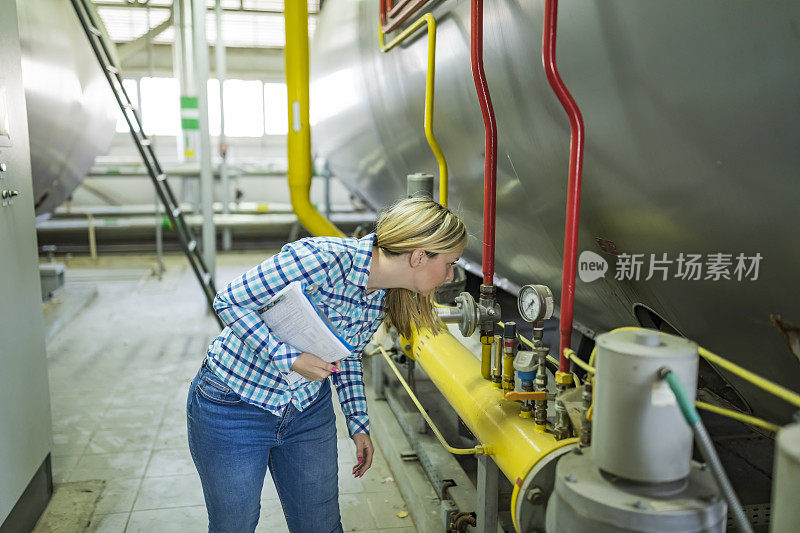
(706, 446)
(475, 450)
(575, 170)
(388, 26)
(490, 134)
(430, 78)
(299, 137)
(516, 446)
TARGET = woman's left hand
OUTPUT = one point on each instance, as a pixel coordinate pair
(364, 451)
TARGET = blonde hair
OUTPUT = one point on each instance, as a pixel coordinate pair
(416, 224)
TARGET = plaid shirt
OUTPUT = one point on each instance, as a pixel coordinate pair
(252, 362)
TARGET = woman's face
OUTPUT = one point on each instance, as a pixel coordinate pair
(432, 271)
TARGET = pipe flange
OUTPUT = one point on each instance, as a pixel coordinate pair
(469, 313)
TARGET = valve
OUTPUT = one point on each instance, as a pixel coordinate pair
(465, 314)
(517, 396)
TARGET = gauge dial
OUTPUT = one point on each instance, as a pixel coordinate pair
(535, 303)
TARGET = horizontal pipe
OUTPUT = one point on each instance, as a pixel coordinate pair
(232, 220)
(515, 444)
(186, 207)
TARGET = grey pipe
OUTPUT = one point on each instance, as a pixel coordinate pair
(707, 450)
(703, 441)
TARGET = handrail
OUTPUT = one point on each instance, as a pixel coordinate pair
(428, 20)
(477, 450)
(298, 139)
(575, 170)
(490, 139)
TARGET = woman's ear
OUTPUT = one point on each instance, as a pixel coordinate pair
(416, 258)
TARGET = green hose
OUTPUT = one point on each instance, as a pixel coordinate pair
(703, 441)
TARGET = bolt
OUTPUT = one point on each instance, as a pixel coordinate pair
(535, 496)
(639, 504)
(569, 478)
(407, 347)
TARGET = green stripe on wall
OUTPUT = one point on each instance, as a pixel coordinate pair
(190, 124)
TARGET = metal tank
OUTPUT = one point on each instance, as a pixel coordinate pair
(691, 147)
(71, 110)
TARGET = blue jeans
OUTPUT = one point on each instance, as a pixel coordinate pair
(233, 443)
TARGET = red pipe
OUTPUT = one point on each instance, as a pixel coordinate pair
(402, 17)
(575, 169)
(490, 134)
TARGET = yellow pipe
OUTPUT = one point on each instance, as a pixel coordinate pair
(572, 356)
(477, 450)
(516, 446)
(751, 377)
(755, 379)
(747, 419)
(428, 20)
(486, 356)
(299, 136)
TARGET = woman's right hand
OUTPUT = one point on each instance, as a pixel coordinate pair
(312, 367)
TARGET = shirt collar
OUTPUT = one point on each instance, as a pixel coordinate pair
(362, 260)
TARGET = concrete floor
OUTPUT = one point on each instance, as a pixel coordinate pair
(119, 375)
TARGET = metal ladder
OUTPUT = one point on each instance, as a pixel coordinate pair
(188, 242)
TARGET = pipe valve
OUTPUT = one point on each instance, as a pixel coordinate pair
(464, 313)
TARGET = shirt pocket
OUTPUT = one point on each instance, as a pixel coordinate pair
(214, 391)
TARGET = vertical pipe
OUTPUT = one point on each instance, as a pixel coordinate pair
(200, 45)
(490, 133)
(221, 70)
(157, 204)
(575, 171)
(298, 139)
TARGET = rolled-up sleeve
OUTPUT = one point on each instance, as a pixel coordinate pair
(239, 303)
(349, 383)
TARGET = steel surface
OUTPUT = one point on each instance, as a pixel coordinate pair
(71, 110)
(691, 147)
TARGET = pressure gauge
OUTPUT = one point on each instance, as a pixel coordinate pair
(535, 303)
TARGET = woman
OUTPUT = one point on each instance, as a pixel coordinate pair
(243, 416)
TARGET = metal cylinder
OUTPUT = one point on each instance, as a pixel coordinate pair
(419, 185)
(639, 433)
(786, 481)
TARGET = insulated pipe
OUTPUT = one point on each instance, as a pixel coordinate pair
(298, 139)
(575, 170)
(490, 134)
(516, 446)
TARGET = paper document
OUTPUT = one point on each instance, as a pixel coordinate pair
(292, 318)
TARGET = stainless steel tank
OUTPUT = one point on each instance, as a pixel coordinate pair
(691, 147)
(71, 110)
